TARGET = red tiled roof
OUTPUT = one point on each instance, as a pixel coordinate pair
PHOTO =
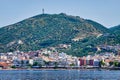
(3, 64)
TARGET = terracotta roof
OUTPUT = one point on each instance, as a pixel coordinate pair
(107, 60)
(3, 64)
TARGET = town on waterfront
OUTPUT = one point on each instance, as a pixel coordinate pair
(50, 58)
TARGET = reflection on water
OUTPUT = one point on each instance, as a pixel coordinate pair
(59, 75)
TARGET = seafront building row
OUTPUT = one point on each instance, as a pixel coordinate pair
(49, 58)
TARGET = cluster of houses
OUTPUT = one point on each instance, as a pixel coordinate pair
(96, 60)
(49, 58)
(36, 59)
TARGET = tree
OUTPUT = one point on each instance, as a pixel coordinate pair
(72, 64)
(35, 64)
(13, 67)
(110, 63)
(102, 63)
(29, 65)
(116, 64)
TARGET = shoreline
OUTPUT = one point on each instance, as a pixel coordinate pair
(70, 68)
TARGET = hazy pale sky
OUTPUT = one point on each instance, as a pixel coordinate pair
(106, 12)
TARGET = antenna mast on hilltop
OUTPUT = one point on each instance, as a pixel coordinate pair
(43, 11)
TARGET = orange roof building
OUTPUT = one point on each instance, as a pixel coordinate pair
(3, 65)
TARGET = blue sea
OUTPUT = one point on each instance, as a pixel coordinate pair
(59, 75)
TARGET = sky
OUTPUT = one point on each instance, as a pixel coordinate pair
(105, 12)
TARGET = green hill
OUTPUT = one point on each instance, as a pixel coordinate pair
(51, 30)
(116, 30)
